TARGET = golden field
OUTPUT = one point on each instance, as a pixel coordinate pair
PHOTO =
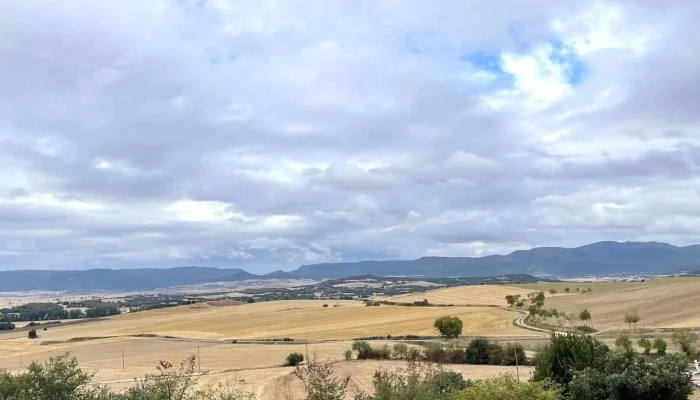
(661, 303)
(302, 319)
(249, 367)
(106, 347)
(465, 295)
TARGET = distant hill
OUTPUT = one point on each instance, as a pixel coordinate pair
(602, 258)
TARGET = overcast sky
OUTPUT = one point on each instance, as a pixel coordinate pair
(266, 134)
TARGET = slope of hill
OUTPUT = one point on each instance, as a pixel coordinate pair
(598, 258)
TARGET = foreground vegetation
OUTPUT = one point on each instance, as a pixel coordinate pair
(571, 367)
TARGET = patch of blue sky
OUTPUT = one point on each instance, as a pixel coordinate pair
(489, 71)
(567, 57)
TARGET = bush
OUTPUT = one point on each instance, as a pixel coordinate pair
(417, 382)
(32, 334)
(478, 351)
(294, 359)
(625, 376)
(496, 354)
(251, 300)
(363, 349)
(624, 343)
(645, 344)
(565, 355)
(512, 351)
(400, 351)
(660, 346)
(348, 355)
(325, 305)
(686, 341)
(507, 387)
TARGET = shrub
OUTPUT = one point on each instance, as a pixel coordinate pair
(660, 346)
(325, 305)
(32, 334)
(496, 354)
(624, 343)
(319, 382)
(251, 300)
(348, 355)
(685, 340)
(506, 387)
(363, 349)
(567, 354)
(294, 359)
(418, 381)
(400, 351)
(512, 351)
(645, 344)
(626, 376)
(478, 351)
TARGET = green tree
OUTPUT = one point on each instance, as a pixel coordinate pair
(32, 334)
(645, 344)
(478, 351)
(553, 292)
(510, 299)
(686, 341)
(294, 359)
(449, 327)
(632, 318)
(565, 355)
(585, 316)
(506, 387)
(363, 349)
(624, 376)
(567, 290)
(660, 345)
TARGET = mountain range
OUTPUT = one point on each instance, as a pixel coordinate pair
(601, 258)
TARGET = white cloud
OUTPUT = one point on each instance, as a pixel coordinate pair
(269, 134)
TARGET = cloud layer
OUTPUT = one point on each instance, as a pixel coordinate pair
(268, 134)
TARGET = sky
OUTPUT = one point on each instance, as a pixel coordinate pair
(267, 134)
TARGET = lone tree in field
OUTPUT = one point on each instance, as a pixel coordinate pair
(567, 290)
(294, 359)
(632, 318)
(552, 291)
(512, 299)
(449, 327)
(585, 316)
(32, 334)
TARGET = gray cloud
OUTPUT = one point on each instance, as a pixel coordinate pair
(268, 135)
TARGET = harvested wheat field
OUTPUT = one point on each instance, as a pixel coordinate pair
(661, 303)
(465, 295)
(123, 359)
(302, 319)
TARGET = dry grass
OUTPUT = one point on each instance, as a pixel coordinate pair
(661, 303)
(303, 319)
(465, 295)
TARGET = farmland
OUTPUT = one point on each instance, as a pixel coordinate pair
(465, 295)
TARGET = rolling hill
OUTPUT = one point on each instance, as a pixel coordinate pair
(602, 258)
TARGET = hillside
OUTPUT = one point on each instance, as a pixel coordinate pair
(598, 258)
(602, 258)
